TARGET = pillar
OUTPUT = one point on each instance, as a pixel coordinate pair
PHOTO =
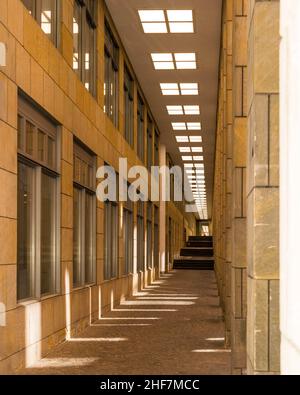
(290, 187)
(238, 145)
(263, 338)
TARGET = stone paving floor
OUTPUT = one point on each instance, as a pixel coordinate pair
(175, 326)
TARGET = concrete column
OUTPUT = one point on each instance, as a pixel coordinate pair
(263, 338)
(238, 146)
(290, 187)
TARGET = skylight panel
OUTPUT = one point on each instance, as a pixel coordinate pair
(197, 149)
(179, 125)
(192, 110)
(175, 110)
(155, 28)
(195, 139)
(194, 126)
(182, 139)
(184, 149)
(152, 15)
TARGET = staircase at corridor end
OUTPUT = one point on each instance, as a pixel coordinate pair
(198, 254)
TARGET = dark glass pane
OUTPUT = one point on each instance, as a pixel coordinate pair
(48, 17)
(25, 231)
(76, 37)
(89, 239)
(77, 214)
(41, 145)
(20, 132)
(48, 234)
(29, 4)
(30, 131)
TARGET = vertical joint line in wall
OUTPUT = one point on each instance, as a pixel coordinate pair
(269, 127)
(242, 98)
(242, 192)
(269, 345)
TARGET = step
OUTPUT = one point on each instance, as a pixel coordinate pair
(200, 244)
(188, 267)
(198, 251)
(192, 263)
(200, 238)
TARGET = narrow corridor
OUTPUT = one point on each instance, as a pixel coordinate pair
(174, 326)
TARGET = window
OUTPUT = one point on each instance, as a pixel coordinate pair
(149, 236)
(128, 107)
(38, 214)
(84, 42)
(140, 130)
(84, 213)
(156, 237)
(128, 235)
(149, 143)
(140, 236)
(46, 14)
(111, 238)
(156, 148)
(111, 85)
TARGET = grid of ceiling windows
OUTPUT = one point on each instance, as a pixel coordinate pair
(111, 84)
(140, 129)
(84, 214)
(170, 61)
(183, 110)
(84, 42)
(175, 89)
(46, 14)
(38, 204)
(167, 21)
(128, 106)
(186, 125)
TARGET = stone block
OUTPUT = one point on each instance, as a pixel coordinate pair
(274, 141)
(8, 194)
(239, 258)
(274, 331)
(8, 291)
(8, 148)
(66, 244)
(23, 79)
(257, 324)
(264, 241)
(266, 47)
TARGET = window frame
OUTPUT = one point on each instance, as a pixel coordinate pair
(128, 107)
(87, 23)
(156, 236)
(111, 238)
(35, 12)
(128, 235)
(141, 129)
(85, 190)
(111, 73)
(140, 236)
(149, 143)
(149, 236)
(29, 112)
